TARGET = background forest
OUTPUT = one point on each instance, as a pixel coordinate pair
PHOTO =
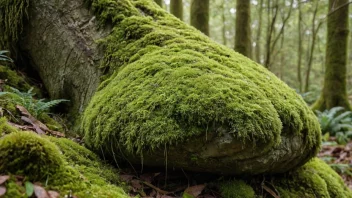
(293, 33)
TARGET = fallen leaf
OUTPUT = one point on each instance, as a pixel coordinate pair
(126, 178)
(56, 133)
(23, 110)
(2, 191)
(148, 177)
(30, 119)
(271, 192)
(4, 178)
(195, 190)
(36, 127)
(136, 185)
(53, 194)
(156, 188)
(153, 193)
(40, 192)
(29, 188)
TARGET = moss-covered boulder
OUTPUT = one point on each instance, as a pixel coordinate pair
(59, 164)
(173, 96)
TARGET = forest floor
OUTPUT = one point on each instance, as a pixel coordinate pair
(160, 183)
(339, 157)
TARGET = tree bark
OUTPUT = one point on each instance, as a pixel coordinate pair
(334, 91)
(300, 49)
(63, 49)
(259, 33)
(176, 8)
(315, 30)
(270, 30)
(200, 15)
(243, 43)
(223, 18)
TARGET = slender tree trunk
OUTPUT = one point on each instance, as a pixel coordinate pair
(200, 15)
(176, 8)
(334, 90)
(243, 28)
(159, 2)
(282, 56)
(223, 17)
(259, 32)
(270, 31)
(315, 31)
(300, 49)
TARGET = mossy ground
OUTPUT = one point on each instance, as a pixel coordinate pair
(59, 164)
(167, 83)
(314, 179)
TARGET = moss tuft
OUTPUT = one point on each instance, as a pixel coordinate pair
(5, 128)
(13, 79)
(27, 154)
(314, 179)
(167, 83)
(61, 164)
(236, 189)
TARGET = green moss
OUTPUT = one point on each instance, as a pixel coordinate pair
(26, 154)
(5, 128)
(13, 79)
(50, 122)
(166, 83)
(236, 189)
(14, 190)
(12, 13)
(60, 164)
(315, 179)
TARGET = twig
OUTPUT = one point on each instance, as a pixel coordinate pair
(156, 188)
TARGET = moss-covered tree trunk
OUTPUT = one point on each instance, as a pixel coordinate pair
(176, 8)
(200, 15)
(243, 43)
(59, 39)
(334, 91)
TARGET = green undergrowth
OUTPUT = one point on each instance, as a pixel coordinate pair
(236, 189)
(13, 79)
(59, 164)
(166, 82)
(314, 179)
(15, 90)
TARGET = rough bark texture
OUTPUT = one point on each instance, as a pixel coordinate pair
(334, 91)
(60, 40)
(259, 33)
(200, 15)
(243, 43)
(176, 8)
